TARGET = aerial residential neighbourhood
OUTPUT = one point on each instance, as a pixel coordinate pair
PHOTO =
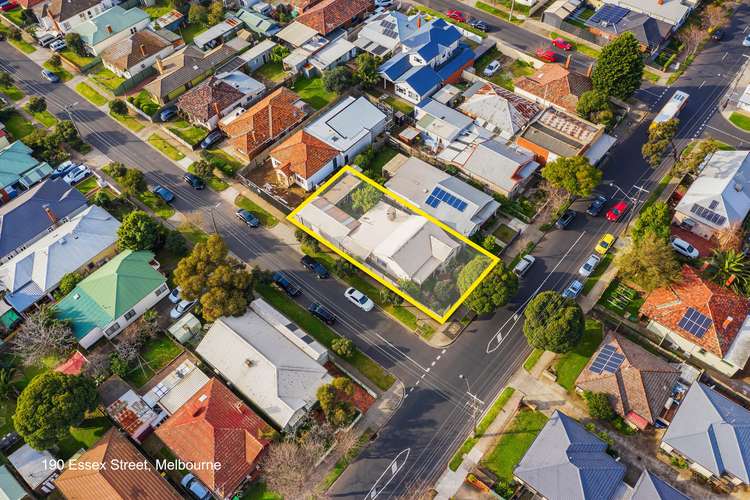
(370, 249)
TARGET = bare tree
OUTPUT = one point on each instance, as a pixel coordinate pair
(730, 238)
(556, 197)
(714, 16)
(98, 364)
(40, 336)
(691, 35)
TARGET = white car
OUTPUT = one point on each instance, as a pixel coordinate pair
(573, 290)
(682, 247)
(491, 68)
(359, 299)
(58, 45)
(746, 41)
(174, 295)
(181, 308)
(77, 174)
(524, 265)
(383, 3)
(588, 267)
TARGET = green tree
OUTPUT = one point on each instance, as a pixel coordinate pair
(204, 169)
(75, 43)
(333, 399)
(197, 14)
(654, 219)
(5, 79)
(66, 132)
(175, 244)
(118, 107)
(494, 291)
(471, 271)
(575, 175)
(210, 275)
(660, 140)
(599, 405)
(37, 104)
(553, 323)
(8, 377)
(68, 282)
(343, 347)
(365, 197)
(591, 102)
(337, 79)
(215, 12)
(619, 69)
(367, 69)
(650, 263)
(278, 53)
(691, 157)
(50, 405)
(55, 60)
(133, 182)
(489, 244)
(139, 231)
(730, 267)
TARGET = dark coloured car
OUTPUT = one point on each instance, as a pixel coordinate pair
(314, 266)
(717, 34)
(597, 205)
(167, 114)
(322, 313)
(247, 217)
(50, 76)
(479, 24)
(283, 282)
(164, 193)
(213, 138)
(194, 181)
(566, 219)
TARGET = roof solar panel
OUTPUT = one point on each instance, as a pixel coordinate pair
(389, 25)
(608, 360)
(439, 194)
(609, 14)
(707, 214)
(390, 33)
(695, 322)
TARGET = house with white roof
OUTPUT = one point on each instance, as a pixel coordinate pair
(720, 197)
(503, 168)
(270, 360)
(333, 54)
(499, 110)
(442, 126)
(452, 201)
(35, 272)
(673, 12)
(383, 33)
(37, 468)
(174, 385)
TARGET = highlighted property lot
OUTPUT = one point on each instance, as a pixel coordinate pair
(396, 243)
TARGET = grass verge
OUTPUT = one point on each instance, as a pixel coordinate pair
(516, 439)
(165, 147)
(90, 94)
(266, 219)
(580, 47)
(131, 122)
(44, 117)
(651, 77)
(740, 120)
(22, 45)
(215, 183)
(63, 74)
(570, 364)
(501, 14)
(345, 460)
(532, 360)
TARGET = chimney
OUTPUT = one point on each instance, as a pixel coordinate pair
(217, 110)
(590, 70)
(567, 61)
(660, 2)
(727, 322)
(159, 66)
(143, 50)
(52, 217)
(109, 29)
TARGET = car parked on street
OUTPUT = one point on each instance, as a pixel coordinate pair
(560, 43)
(456, 15)
(684, 248)
(359, 299)
(280, 280)
(194, 181)
(588, 267)
(212, 138)
(247, 217)
(50, 76)
(717, 34)
(596, 206)
(315, 267)
(321, 313)
(63, 169)
(77, 174)
(163, 193)
(565, 220)
(491, 68)
(574, 289)
(604, 244)
(746, 41)
(195, 487)
(524, 265)
(617, 211)
(546, 55)
(478, 24)
(181, 308)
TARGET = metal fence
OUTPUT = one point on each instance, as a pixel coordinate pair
(277, 202)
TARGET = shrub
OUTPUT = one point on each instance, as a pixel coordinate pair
(102, 199)
(343, 268)
(598, 405)
(69, 282)
(55, 61)
(203, 169)
(118, 107)
(390, 297)
(343, 347)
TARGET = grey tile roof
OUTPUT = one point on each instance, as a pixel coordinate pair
(565, 461)
(652, 487)
(712, 431)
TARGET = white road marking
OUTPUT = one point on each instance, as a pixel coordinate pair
(393, 468)
(724, 56)
(400, 351)
(438, 357)
(702, 84)
(432, 364)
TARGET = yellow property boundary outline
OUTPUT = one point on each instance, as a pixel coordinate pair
(494, 260)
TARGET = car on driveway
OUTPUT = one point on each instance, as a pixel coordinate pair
(562, 44)
(195, 487)
(63, 169)
(322, 313)
(77, 174)
(478, 24)
(359, 299)
(58, 45)
(456, 15)
(684, 248)
(50, 76)
(546, 55)
(174, 295)
(605, 244)
(46, 39)
(565, 220)
(247, 217)
(383, 3)
(167, 114)
(194, 181)
(181, 308)
(491, 68)
(617, 211)
(574, 289)
(588, 267)
(596, 206)
(315, 267)
(212, 138)
(280, 280)
(524, 265)
(163, 193)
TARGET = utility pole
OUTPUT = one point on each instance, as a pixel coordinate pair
(474, 406)
(213, 220)
(66, 108)
(512, 6)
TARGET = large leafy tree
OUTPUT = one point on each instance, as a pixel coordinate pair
(139, 231)
(660, 139)
(75, 42)
(575, 175)
(553, 323)
(50, 404)
(595, 106)
(6, 80)
(210, 275)
(619, 69)
(337, 79)
(367, 69)
(493, 291)
(654, 219)
(650, 263)
(471, 271)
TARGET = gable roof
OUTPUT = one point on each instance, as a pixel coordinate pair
(422, 79)
(562, 133)
(670, 11)
(713, 431)
(109, 483)
(723, 187)
(136, 48)
(266, 120)
(201, 101)
(431, 38)
(347, 123)
(499, 164)
(18, 165)
(10, 488)
(567, 462)
(60, 10)
(497, 109)
(109, 292)
(26, 216)
(652, 487)
(38, 269)
(258, 23)
(556, 84)
(303, 154)
(647, 30)
(383, 32)
(642, 384)
(186, 65)
(329, 15)
(216, 426)
(726, 310)
(109, 23)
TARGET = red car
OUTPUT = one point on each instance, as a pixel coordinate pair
(546, 55)
(562, 44)
(616, 212)
(8, 6)
(456, 15)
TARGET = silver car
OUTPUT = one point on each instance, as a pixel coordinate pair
(588, 267)
(573, 290)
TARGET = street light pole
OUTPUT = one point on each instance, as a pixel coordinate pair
(474, 406)
(213, 220)
(66, 108)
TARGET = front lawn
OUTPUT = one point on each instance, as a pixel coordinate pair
(61, 72)
(155, 203)
(90, 94)
(516, 439)
(88, 184)
(18, 126)
(130, 122)
(156, 354)
(271, 71)
(13, 93)
(165, 147)
(45, 117)
(191, 134)
(223, 161)
(74, 58)
(266, 219)
(15, 16)
(313, 92)
(84, 435)
(740, 120)
(106, 79)
(570, 364)
(505, 233)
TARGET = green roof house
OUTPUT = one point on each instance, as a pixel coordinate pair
(111, 26)
(10, 488)
(18, 167)
(112, 297)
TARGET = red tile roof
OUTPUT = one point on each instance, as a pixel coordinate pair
(554, 83)
(726, 309)
(110, 484)
(266, 120)
(303, 154)
(216, 426)
(329, 15)
(201, 102)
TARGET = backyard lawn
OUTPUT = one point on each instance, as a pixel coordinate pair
(259, 491)
(129, 121)
(79, 61)
(740, 120)
(570, 364)
(400, 105)
(271, 71)
(515, 440)
(61, 72)
(106, 78)
(191, 31)
(382, 156)
(158, 9)
(83, 435)
(45, 117)
(223, 161)
(189, 133)
(312, 91)
(18, 126)
(165, 147)
(156, 354)
(13, 93)
(90, 94)
(156, 204)
(266, 219)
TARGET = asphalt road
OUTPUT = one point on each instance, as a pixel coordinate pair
(436, 415)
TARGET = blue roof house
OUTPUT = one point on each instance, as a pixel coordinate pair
(111, 26)
(19, 168)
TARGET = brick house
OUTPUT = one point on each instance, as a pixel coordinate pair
(305, 160)
(330, 15)
(554, 85)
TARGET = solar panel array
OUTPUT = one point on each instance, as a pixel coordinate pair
(388, 24)
(713, 204)
(708, 214)
(390, 33)
(608, 360)
(439, 195)
(695, 322)
(609, 14)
